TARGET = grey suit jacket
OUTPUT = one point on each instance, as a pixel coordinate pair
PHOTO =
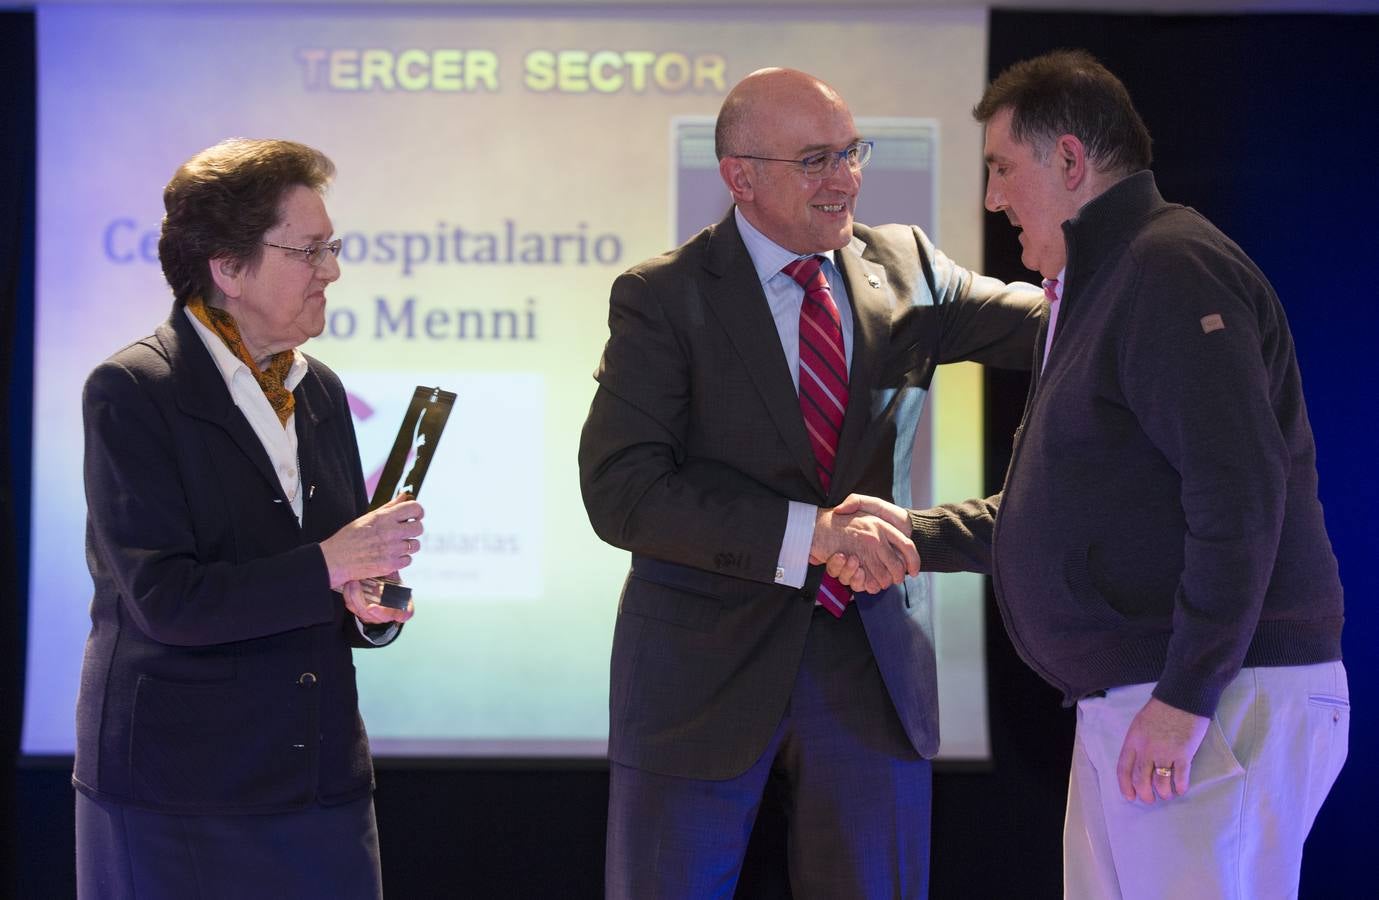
(693, 446)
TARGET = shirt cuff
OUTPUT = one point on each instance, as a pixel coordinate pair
(792, 566)
(378, 635)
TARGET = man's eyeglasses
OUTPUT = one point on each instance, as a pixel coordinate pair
(822, 165)
(315, 253)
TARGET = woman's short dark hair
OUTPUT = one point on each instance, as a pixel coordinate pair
(223, 200)
(1069, 92)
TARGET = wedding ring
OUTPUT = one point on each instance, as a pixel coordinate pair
(1164, 771)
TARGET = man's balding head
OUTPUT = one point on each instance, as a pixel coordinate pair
(770, 121)
(762, 95)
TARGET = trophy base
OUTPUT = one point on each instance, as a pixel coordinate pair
(395, 596)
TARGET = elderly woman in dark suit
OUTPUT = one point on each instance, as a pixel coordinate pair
(220, 752)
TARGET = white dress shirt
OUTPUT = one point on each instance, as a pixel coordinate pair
(785, 297)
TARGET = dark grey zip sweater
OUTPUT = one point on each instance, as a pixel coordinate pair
(1160, 519)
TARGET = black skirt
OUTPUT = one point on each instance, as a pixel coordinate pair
(132, 854)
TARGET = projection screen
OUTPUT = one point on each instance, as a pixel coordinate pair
(497, 169)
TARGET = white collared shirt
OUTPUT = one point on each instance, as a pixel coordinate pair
(785, 297)
(279, 439)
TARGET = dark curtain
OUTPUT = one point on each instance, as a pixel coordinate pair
(16, 381)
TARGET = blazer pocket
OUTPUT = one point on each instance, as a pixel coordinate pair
(198, 746)
(674, 605)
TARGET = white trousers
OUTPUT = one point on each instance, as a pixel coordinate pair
(1269, 757)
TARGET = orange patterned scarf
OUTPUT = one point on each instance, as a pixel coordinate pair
(273, 379)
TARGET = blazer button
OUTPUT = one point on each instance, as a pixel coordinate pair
(307, 679)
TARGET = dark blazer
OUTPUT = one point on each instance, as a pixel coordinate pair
(218, 675)
(693, 446)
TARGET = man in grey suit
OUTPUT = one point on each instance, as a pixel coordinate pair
(705, 455)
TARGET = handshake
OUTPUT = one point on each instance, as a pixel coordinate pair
(865, 543)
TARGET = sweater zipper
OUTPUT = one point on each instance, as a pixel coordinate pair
(1015, 637)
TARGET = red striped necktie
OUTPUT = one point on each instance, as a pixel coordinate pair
(823, 389)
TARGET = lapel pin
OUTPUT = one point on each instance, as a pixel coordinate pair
(874, 281)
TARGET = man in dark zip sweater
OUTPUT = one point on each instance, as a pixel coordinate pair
(1159, 551)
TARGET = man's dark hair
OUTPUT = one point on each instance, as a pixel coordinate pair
(1069, 92)
(223, 201)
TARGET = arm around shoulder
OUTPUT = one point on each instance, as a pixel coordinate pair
(983, 319)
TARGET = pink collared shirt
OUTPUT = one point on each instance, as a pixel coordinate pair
(1052, 286)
